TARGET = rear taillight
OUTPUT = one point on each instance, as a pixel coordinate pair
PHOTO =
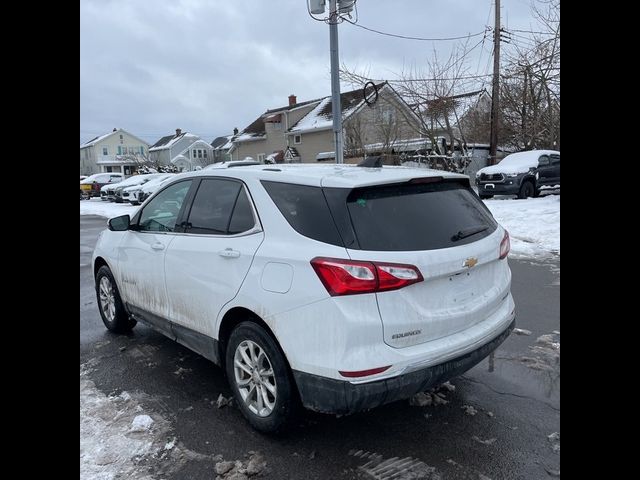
(505, 245)
(350, 277)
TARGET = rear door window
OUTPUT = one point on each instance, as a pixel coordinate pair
(220, 207)
(418, 217)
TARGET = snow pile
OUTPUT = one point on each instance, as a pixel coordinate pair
(95, 206)
(533, 224)
(546, 353)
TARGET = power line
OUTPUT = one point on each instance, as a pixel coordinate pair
(530, 31)
(415, 38)
(427, 79)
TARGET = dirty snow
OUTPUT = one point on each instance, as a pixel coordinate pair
(254, 466)
(533, 224)
(435, 396)
(118, 439)
(108, 447)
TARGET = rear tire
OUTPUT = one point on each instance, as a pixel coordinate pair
(112, 311)
(526, 190)
(260, 378)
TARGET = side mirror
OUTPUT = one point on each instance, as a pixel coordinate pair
(119, 224)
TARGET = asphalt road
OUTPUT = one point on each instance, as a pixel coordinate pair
(515, 394)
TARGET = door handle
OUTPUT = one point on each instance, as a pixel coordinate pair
(229, 253)
(157, 246)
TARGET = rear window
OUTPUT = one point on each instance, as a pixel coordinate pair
(417, 217)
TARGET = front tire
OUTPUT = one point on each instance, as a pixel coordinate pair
(112, 310)
(526, 190)
(260, 379)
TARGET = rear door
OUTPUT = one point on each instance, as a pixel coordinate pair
(555, 165)
(545, 175)
(206, 265)
(447, 232)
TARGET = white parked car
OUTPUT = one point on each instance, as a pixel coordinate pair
(133, 193)
(151, 186)
(339, 287)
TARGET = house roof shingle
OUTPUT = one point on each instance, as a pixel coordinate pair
(220, 141)
(170, 140)
(320, 117)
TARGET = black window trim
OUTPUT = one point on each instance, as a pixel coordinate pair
(257, 224)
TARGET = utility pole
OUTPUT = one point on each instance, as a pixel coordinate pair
(495, 95)
(335, 80)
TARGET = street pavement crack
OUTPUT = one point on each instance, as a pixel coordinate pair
(510, 393)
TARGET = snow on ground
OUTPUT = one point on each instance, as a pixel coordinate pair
(95, 206)
(533, 224)
(118, 440)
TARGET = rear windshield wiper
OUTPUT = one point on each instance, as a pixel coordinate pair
(467, 232)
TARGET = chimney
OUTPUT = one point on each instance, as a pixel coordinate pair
(292, 100)
(235, 131)
(115, 129)
(178, 132)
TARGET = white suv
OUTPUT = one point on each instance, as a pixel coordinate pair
(338, 287)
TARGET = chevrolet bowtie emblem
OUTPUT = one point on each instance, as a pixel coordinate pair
(470, 262)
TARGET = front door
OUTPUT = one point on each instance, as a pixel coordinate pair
(206, 265)
(141, 255)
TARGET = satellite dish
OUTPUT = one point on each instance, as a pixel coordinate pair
(345, 6)
(317, 6)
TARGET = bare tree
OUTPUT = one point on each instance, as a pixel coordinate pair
(354, 137)
(432, 95)
(530, 94)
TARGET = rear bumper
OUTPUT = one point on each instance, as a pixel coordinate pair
(329, 395)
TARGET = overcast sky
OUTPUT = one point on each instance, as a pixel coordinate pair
(207, 66)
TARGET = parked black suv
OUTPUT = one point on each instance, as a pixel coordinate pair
(524, 174)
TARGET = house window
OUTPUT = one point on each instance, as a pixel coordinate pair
(261, 157)
(297, 139)
(199, 153)
(119, 150)
(277, 125)
(105, 151)
(108, 169)
(205, 154)
(193, 154)
(120, 137)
